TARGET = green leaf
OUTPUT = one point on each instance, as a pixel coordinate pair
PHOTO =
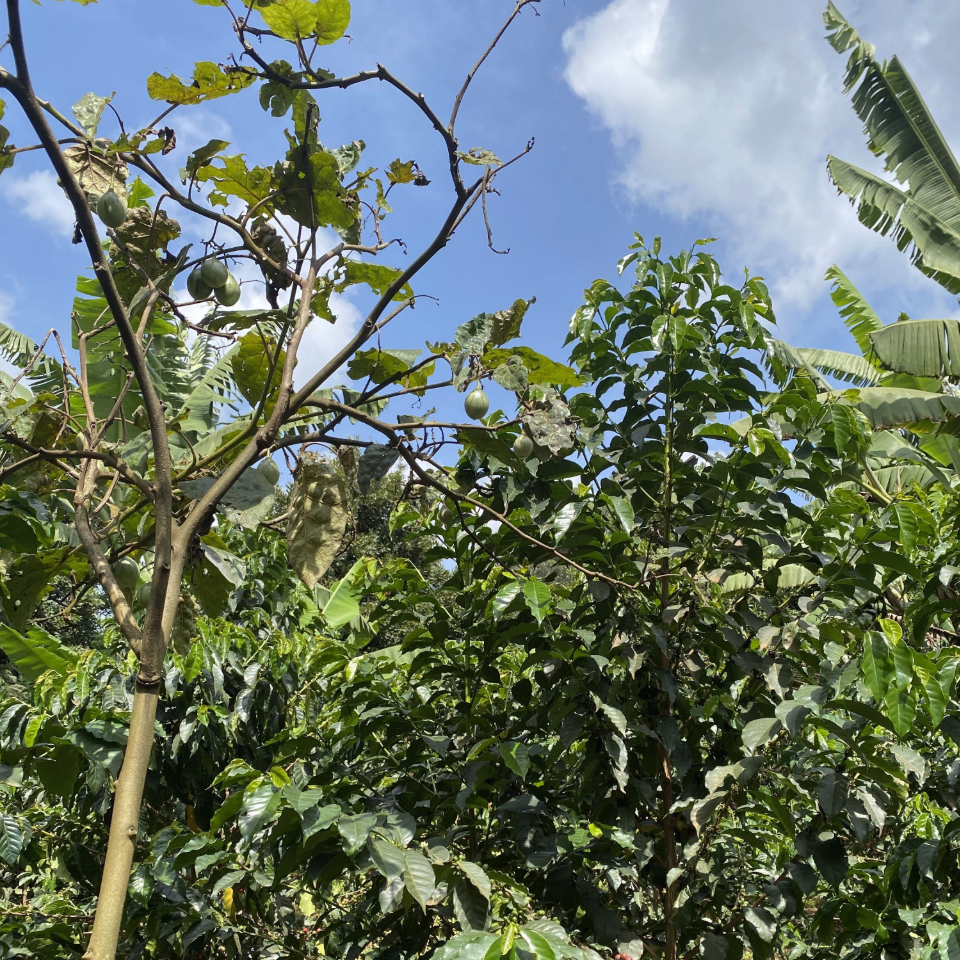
(832, 793)
(317, 520)
(36, 652)
(831, 860)
(504, 597)
(539, 598)
(762, 921)
(539, 945)
(475, 874)
(252, 366)
(202, 156)
(470, 908)
(354, 829)
(319, 818)
(516, 757)
(857, 314)
(419, 878)
(624, 511)
(479, 157)
(375, 463)
(474, 335)
(88, 110)
(387, 856)
(512, 375)
(343, 604)
(936, 700)
(910, 761)
(11, 838)
(377, 276)
(473, 945)
(757, 732)
(209, 82)
(903, 664)
(290, 19)
(506, 323)
(540, 369)
(901, 707)
(258, 809)
(333, 18)
(878, 671)
(924, 348)
(381, 365)
(848, 367)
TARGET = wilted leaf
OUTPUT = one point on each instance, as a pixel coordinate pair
(318, 519)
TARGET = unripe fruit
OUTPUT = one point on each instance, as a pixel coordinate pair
(523, 447)
(196, 287)
(127, 572)
(229, 293)
(80, 441)
(143, 595)
(476, 404)
(270, 471)
(214, 273)
(111, 209)
(446, 515)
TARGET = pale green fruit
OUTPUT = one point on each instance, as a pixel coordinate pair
(111, 209)
(476, 404)
(446, 515)
(270, 471)
(127, 572)
(195, 285)
(523, 447)
(214, 273)
(229, 293)
(143, 595)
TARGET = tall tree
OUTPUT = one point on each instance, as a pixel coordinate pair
(136, 420)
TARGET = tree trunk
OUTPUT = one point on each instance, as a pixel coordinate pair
(124, 826)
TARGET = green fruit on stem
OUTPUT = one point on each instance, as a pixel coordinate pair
(476, 404)
(270, 471)
(523, 447)
(111, 209)
(127, 572)
(196, 286)
(214, 273)
(143, 595)
(229, 293)
(80, 441)
(446, 515)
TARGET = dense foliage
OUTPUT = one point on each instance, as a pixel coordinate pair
(663, 665)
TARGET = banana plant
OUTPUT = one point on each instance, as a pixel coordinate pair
(900, 384)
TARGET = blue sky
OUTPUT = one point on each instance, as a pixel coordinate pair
(684, 118)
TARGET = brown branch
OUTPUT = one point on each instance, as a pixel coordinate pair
(466, 83)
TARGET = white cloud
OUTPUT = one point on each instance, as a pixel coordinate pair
(723, 114)
(323, 340)
(37, 196)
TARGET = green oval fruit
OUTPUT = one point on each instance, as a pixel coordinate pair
(476, 404)
(111, 209)
(143, 594)
(598, 589)
(214, 273)
(229, 293)
(270, 471)
(80, 441)
(196, 287)
(446, 515)
(523, 447)
(127, 572)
